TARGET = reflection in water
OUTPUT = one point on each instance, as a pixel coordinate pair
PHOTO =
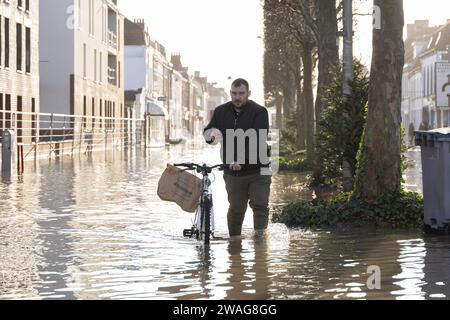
(436, 267)
(94, 228)
(411, 278)
(248, 269)
(56, 195)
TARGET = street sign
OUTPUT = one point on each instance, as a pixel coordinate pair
(442, 84)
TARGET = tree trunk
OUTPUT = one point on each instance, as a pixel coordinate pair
(347, 174)
(379, 167)
(328, 58)
(301, 132)
(279, 106)
(289, 96)
(309, 100)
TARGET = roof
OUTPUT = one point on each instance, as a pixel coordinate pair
(438, 41)
(135, 34)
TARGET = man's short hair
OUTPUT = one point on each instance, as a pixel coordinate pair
(239, 82)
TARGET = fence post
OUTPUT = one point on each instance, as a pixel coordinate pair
(37, 134)
(106, 137)
(73, 125)
(81, 135)
(146, 131)
(51, 135)
(8, 152)
(64, 136)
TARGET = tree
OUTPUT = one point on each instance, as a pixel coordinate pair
(340, 136)
(289, 61)
(379, 163)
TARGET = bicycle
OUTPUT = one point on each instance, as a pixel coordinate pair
(201, 227)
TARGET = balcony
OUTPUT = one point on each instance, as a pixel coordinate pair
(112, 40)
(112, 76)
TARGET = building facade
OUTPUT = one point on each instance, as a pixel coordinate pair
(425, 102)
(153, 87)
(82, 53)
(19, 67)
(216, 97)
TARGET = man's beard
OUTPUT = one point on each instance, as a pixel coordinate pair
(240, 106)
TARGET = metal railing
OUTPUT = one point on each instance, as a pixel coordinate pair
(42, 135)
(112, 39)
(112, 76)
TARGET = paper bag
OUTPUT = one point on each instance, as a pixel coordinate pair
(180, 187)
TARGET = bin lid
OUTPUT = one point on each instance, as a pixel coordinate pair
(439, 134)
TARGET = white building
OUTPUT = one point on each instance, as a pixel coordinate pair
(152, 86)
(216, 97)
(82, 49)
(425, 103)
(176, 114)
(19, 66)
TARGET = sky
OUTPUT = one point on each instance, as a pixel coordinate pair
(436, 11)
(219, 38)
(223, 38)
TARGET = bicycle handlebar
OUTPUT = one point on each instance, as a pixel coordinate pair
(200, 168)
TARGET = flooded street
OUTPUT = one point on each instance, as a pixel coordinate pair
(94, 228)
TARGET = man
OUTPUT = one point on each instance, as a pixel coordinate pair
(243, 125)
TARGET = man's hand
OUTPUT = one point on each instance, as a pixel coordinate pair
(235, 167)
(215, 136)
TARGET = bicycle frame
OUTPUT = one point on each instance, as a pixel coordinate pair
(204, 217)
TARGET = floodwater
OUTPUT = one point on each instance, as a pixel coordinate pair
(94, 228)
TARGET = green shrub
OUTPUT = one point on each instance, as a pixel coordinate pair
(402, 210)
(295, 164)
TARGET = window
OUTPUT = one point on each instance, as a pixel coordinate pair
(19, 119)
(103, 25)
(95, 64)
(106, 25)
(93, 113)
(27, 5)
(1, 45)
(19, 46)
(1, 113)
(6, 42)
(78, 22)
(101, 67)
(101, 113)
(118, 35)
(118, 69)
(91, 17)
(8, 108)
(433, 91)
(90, 8)
(19, 4)
(28, 50)
(84, 61)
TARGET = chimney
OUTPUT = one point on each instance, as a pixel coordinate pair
(176, 61)
(140, 23)
(197, 74)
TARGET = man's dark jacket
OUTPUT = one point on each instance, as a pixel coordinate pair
(252, 116)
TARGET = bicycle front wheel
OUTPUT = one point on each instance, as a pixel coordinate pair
(206, 218)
